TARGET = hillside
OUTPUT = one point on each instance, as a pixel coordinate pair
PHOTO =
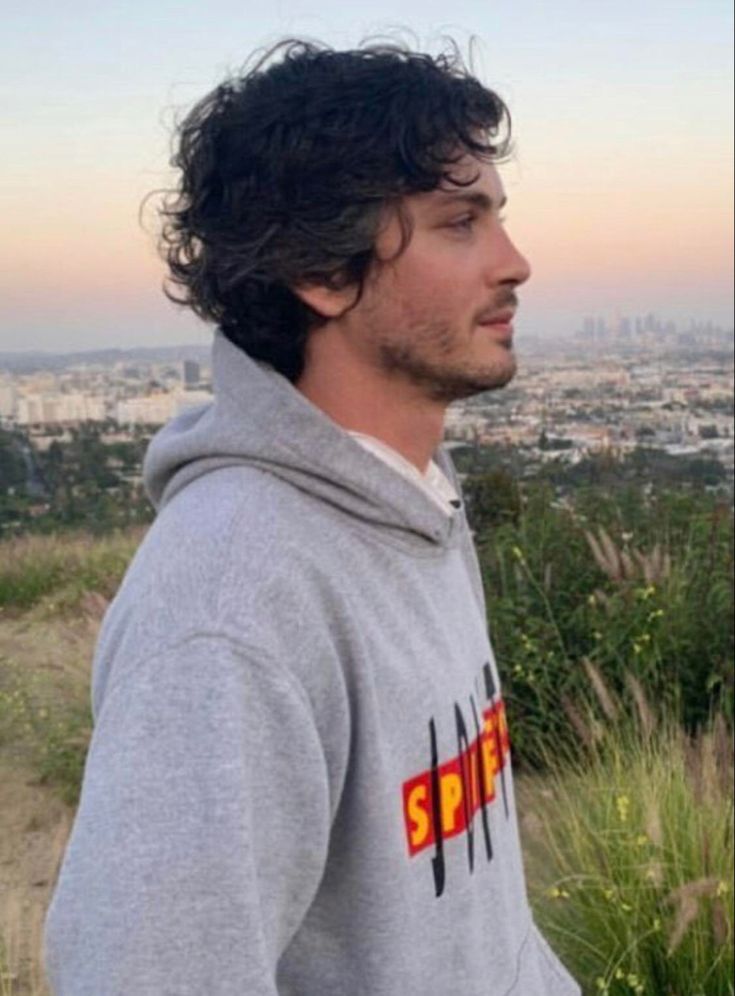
(612, 625)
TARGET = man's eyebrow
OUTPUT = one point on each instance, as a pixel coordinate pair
(476, 198)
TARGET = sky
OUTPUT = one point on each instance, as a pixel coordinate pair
(620, 191)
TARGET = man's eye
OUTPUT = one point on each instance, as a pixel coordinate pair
(466, 221)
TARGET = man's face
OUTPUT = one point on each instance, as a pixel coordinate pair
(439, 316)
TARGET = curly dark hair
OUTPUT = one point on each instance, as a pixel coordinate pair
(286, 170)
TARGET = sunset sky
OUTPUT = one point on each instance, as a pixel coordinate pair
(620, 193)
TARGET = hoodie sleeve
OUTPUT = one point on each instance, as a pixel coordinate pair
(202, 831)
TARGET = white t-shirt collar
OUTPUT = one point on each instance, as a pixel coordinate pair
(432, 482)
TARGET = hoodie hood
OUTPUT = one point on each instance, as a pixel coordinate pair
(257, 418)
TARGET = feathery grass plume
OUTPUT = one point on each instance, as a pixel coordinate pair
(645, 713)
(720, 926)
(686, 915)
(628, 566)
(621, 878)
(655, 567)
(604, 695)
(653, 871)
(724, 758)
(605, 553)
(580, 727)
(653, 822)
(622, 566)
(687, 898)
(612, 554)
(706, 768)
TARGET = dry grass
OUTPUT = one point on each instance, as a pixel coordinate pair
(60, 570)
(34, 827)
(44, 672)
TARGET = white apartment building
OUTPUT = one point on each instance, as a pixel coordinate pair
(156, 409)
(49, 409)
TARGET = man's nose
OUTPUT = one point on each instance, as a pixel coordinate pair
(510, 266)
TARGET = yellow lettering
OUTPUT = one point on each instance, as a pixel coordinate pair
(490, 760)
(418, 816)
(451, 796)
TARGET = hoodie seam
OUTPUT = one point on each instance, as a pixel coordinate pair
(415, 544)
(252, 653)
(246, 648)
(378, 534)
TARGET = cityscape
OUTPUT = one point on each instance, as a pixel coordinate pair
(613, 385)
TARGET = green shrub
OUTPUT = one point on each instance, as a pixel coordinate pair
(629, 583)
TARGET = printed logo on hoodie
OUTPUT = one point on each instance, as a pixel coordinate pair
(442, 801)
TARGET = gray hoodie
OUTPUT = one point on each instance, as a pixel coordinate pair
(299, 781)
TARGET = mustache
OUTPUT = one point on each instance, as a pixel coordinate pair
(505, 299)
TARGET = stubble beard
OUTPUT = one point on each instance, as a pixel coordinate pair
(423, 356)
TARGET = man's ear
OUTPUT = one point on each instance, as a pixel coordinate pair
(326, 301)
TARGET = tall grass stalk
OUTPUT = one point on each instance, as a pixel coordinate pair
(630, 860)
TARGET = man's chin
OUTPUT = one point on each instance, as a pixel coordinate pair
(498, 374)
(465, 384)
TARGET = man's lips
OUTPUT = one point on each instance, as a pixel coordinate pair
(503, 319)
(499, 326)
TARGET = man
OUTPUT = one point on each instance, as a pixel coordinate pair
(299, 782)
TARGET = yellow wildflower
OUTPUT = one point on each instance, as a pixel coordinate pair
(623, 805)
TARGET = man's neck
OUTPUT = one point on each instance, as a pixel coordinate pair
(362, 399)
